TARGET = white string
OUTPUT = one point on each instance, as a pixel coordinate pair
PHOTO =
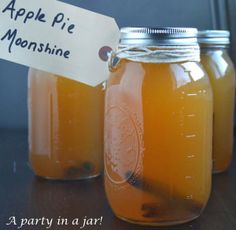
(158, 54)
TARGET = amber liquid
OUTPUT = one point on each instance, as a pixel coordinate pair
(222, 76)
(65, 127)
(158, 135)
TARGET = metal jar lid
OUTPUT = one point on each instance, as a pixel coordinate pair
(214, 37)
(169, 36)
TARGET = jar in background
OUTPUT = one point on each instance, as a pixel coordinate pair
(216, 61)
(65, 127)
(158, 128)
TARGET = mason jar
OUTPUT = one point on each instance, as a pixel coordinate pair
(215, 59)
(158, 127)
(65, 127)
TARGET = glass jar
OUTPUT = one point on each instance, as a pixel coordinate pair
(65, 127)
(158, 128)
(220, 69)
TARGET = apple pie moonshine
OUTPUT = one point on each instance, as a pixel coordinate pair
(216, 60)
(158, 127)
(65, 127)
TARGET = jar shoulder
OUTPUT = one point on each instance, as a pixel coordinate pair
(218, 64)
(176, 75)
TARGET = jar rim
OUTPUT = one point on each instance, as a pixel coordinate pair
(214, 37)
(148, 36)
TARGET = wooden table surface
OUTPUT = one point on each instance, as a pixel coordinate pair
(24, 196)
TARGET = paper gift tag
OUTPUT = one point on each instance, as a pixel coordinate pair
(56, 37)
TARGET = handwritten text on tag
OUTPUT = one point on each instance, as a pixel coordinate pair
(57, 38)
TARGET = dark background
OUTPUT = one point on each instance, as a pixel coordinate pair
(203, 14)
